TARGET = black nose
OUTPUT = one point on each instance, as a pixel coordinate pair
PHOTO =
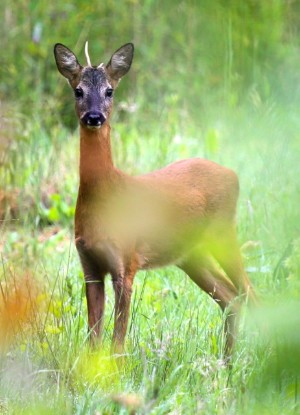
(94, 119)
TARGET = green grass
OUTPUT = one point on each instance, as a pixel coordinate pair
(174, 344)
(209, 79)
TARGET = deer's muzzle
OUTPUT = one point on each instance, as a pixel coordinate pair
(93, 119)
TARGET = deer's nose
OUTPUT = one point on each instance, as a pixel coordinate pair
(94, 119)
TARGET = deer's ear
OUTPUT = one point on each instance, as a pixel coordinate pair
(66, 62)
(120, 61)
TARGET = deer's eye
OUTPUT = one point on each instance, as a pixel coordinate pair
(109, 92)
(78, 92)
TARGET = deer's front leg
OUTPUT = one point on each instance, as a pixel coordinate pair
(95, 293)
(95, 297)
(123, 289)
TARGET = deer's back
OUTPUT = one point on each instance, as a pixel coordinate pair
(198, 186)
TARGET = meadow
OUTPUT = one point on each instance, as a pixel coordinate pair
(216, 80)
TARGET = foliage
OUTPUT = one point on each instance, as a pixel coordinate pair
(210, 79)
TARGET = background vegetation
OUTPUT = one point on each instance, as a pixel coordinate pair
(211, 79)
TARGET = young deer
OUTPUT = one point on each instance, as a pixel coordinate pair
(183, 214)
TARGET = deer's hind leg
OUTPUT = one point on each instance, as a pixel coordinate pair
(205, 273)
(224, 247)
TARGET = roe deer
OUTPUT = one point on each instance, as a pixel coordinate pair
(183, 214)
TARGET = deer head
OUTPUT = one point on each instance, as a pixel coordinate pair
(93, 86)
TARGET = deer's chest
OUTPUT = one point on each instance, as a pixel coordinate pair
(102, 235)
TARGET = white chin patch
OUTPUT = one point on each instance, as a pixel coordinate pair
(94, 127)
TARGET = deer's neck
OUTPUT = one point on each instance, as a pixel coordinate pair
(96, 164)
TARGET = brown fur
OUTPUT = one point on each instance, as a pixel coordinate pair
(183, 214)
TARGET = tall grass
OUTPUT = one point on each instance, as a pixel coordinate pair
(209, 79)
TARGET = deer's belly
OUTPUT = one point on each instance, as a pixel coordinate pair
(149, 243)
(113, 254)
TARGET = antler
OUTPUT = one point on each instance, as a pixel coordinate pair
(87, 53)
